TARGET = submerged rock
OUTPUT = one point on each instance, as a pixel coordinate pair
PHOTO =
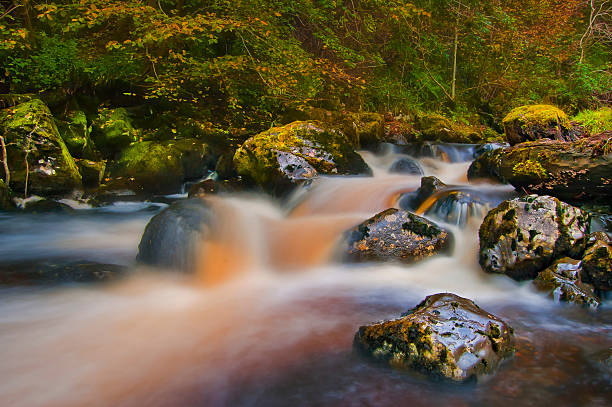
(406, 166)
(523, 236)
(397, 235)
(171, 237)
(283, 157)
(160, 167)
(445, 336)
(578, 171)
(597, 263)
(532, 122)
(30, 130)
(59, 272)
(562, 281)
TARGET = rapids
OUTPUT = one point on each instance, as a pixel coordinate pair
(269, 316)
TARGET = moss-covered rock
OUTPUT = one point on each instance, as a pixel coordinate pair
(523, 236)
(445, 336)
(112, 131)
(282, 157)
(597, 265)
(563, 282)
(30, 130)
(576, 172)
(6, 202)
(533, 122)
(396, 235)
(435, 127)
(76, 135)
(160, 167)
(92, 172)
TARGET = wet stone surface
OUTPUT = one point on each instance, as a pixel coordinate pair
(445, 336)
(562, 281)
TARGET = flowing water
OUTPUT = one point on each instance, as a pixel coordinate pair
(269, 316)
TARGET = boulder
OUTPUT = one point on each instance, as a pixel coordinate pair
(364, 128)
(578, 171)
(30, 130)
(160, 167)
(112, 131)
(597, 263)
(92, 172)
(283, 157)
(429, 186)
(523, 236)
(435, 127)
(562, 281)
(76, 135)
(445, 336)
(46, 206)
(533, 122)
(170, 239)
(406, 166)
(6, 202)
(397, 235)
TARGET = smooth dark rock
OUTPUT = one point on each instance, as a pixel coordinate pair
(413, 200)
(46, 206)
(445, 336)
(397, 235)
(170, 239)
(523, 236)
(406, 166)
(59, 272)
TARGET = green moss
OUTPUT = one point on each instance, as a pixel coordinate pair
(528, 168)
(595, 121)
(536, 115)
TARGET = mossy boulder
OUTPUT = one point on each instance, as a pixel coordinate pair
(170, 239)
(160, 167)
(445, 336)
(92, 172)
(577, 172)
(562, 281)
(533, 122)
(282, 157)
(112, 131)
(6, 202)
(396, 235)
(523, 236)
(597, 265)
(435, 127)
(30, 129)
(76, 135)
(364, 128)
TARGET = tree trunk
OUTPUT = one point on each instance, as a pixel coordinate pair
(454, 83)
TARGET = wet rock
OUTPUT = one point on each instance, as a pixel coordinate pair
(92, 172)
(445, 336)
(30, 129)
(429, 186)
(203, 188)
(281, 158)
(485, 148)
(406, 166)
(457, 207)
(397, 235)
(562, 282)
(160, 167)
(533, 122)
(170, 239)
(76, 135)
(597, 263)
(521, 237)
(46, 206)
(58, 272)
(112, 131)
(577, 172)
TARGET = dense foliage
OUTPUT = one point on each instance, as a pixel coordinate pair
(241, 63)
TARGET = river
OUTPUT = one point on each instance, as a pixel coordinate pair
(268, 317)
